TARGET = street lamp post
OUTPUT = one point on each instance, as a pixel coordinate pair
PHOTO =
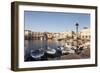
(77, 36)
(72, 37)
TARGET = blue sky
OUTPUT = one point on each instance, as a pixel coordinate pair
(54, 21)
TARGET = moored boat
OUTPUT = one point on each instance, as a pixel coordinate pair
(36, 54)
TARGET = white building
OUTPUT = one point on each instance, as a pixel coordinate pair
(27, 32)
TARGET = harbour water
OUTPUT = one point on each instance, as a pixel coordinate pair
(40, 44)
(40, 50)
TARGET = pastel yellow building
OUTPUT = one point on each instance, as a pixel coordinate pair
(85, 33)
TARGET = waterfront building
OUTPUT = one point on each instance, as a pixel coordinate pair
(50, 35)
(28, 34)
(85, 34)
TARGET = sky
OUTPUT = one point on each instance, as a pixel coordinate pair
(40, 21)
